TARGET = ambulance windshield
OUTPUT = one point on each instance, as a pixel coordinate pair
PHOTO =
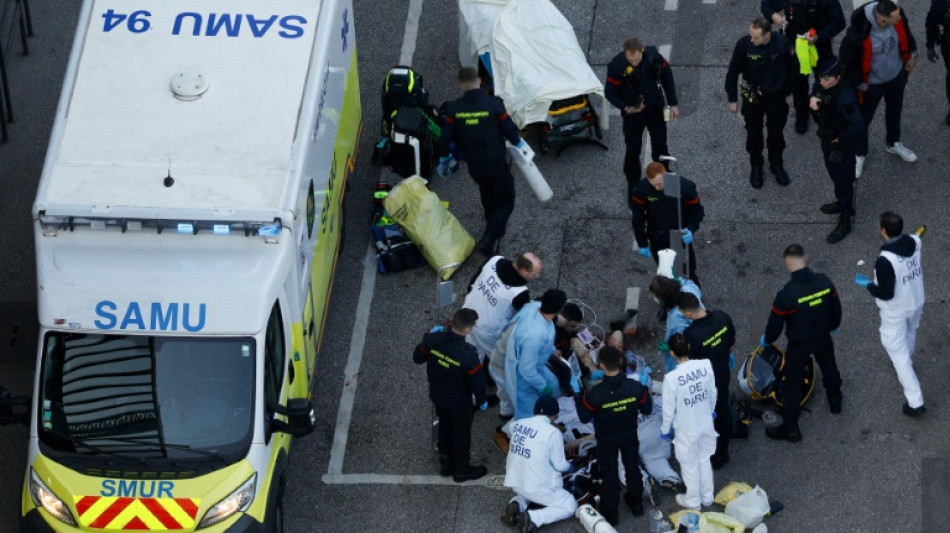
(148, 398)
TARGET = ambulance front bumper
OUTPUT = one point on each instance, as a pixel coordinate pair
(34, 522)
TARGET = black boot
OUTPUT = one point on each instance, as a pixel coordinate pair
(486, 246)
(841, 230)
(468, 472)
(784, 432)
(801, 124)
(445, 465)
(834, 401)
(831, 208)
(777, 168)
(755, 177)
(635, 504)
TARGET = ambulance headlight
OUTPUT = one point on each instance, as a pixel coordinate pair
(43, 497)
(239, 500)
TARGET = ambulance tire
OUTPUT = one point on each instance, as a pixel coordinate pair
(274, 523)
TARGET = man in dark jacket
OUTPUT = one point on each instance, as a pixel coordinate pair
(809, 310)
(479, 125)
(818, 21)
(637, 80)
(764, 59)
(655, 214)
(712, 336)
(939, 17)
(840, 128)
(614, 405)
(879, 53)
(454, 374)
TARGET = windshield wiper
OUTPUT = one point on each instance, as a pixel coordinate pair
(185, 447)
(81, 443)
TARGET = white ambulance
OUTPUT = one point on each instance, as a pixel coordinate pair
(188, 222)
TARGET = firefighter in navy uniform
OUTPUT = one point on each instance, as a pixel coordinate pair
(765, 60)
(712, 336)
(479, 125)
(810, 311)
(840, 128)
(937, 16)
(655, 214)
(637, 80)
(614, 405)
(455, 375)
(799, 18)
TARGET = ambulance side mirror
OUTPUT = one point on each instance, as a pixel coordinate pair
(301, 417)
(14, 409)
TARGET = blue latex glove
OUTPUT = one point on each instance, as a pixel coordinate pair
(546, 391)
(732, 361)
(834, 331)
(667, 437)
(645, 375)
(576, 384)
(862, 280)
(445, 163)
(520, 144)
(762, 342)
(644, 251)
(687, 236)
(597, 375)
(714, 415)
(484, 407)
(437, 329)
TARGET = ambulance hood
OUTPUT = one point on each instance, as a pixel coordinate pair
(143, 282)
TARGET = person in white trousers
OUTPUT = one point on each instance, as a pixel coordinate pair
(689, 405)
(534, 470)
(898, 289)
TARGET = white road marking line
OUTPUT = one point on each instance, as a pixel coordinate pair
(364, 304)
(709, 1)
(355, 358)
(671, 5)
(395, 479)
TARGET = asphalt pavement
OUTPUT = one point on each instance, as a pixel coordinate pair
(867, 469)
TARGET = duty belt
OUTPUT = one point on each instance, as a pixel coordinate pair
(749, 92)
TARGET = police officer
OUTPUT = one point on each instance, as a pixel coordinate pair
(809, 310)
(479, 125)
(800, 17)
(455, 375)
(712, 336)
(840, 128)
(655, 214)
(614, 405)
(637, 80)
(939, 16)
(764, 59)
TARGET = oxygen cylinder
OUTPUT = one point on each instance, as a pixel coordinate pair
(593, 521)
(665, 265)
(524, 160)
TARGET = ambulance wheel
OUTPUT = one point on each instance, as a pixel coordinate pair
(275, 522)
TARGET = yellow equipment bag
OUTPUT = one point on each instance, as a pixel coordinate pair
(731, 492)
(436, 231)
(713, 522)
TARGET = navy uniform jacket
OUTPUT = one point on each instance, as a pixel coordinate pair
(765, 67)
(808, 307)
(825, 16)
(625, 83)
(937, 16)
(842, 120)
(453, 369)
(614, 405)
(654, 213)
(479, 125)
(712, 337)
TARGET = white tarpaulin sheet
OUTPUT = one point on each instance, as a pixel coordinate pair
(535, 56)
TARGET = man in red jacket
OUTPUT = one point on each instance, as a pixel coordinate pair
(879, 53)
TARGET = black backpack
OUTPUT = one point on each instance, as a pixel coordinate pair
(402, 87)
